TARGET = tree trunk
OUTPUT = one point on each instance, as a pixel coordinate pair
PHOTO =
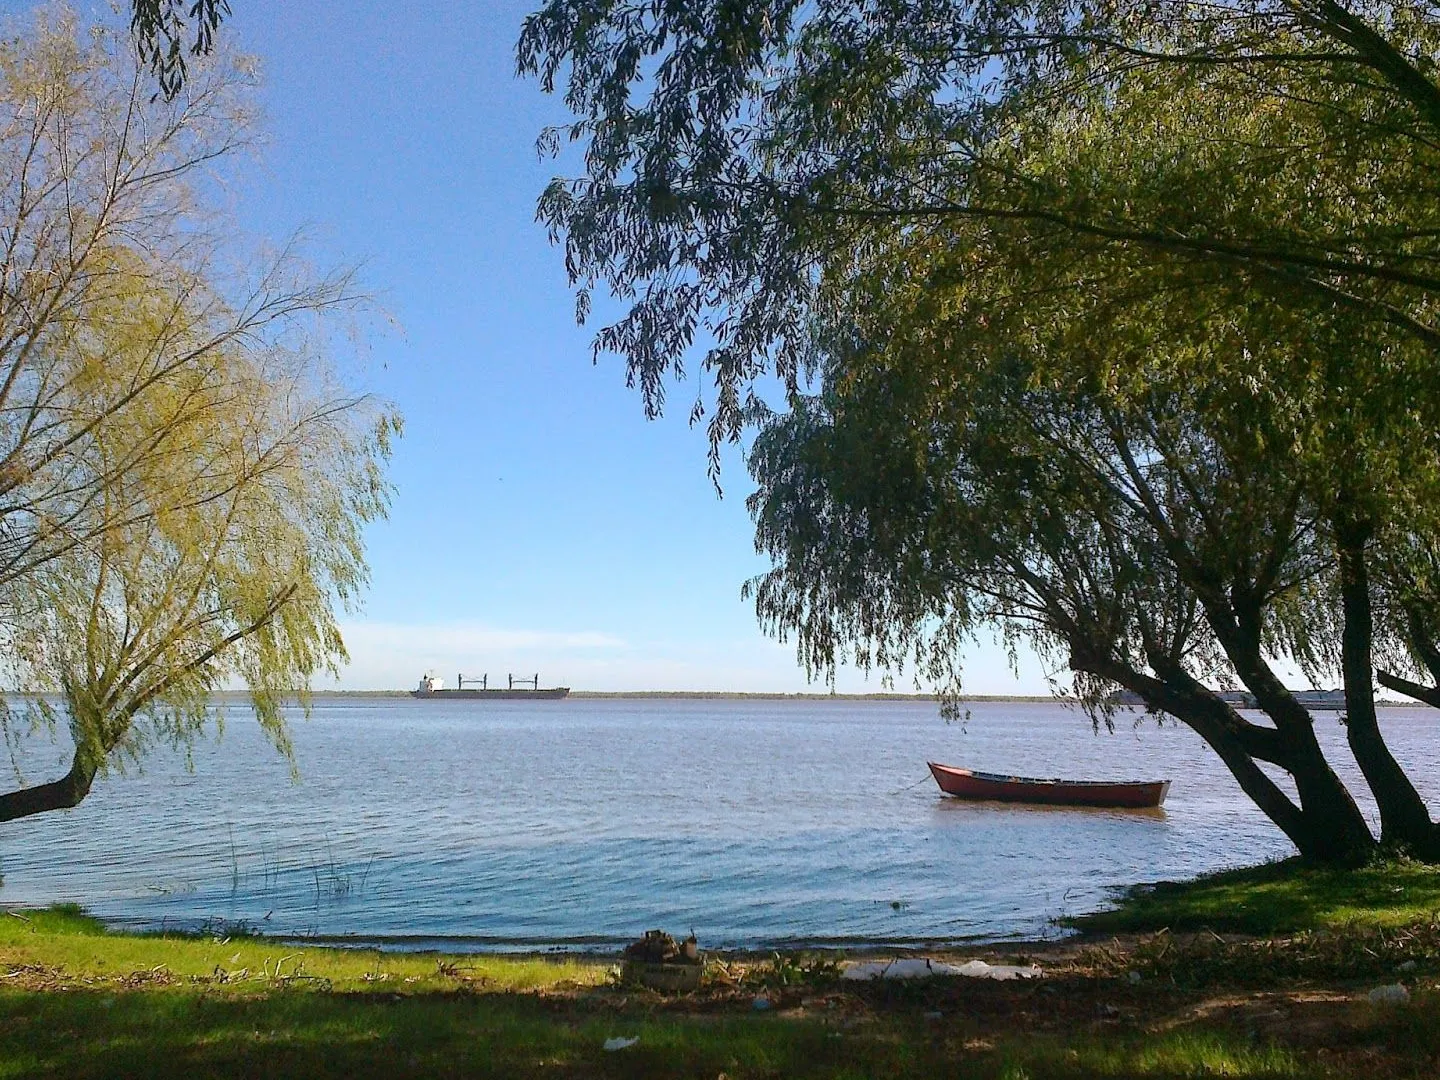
(1339, 833)
(1326, 827)
(1404, 818)
(1263, 791)
(1338, 830)
(60, 794)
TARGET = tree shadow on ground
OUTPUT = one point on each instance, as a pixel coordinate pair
(1080, 1029)
(1277, 898)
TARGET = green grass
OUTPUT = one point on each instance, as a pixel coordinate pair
(1278, 898)
(77, 1002)
(1184, 1054)
(178, 1033)
(175, 1033)
(67, 939)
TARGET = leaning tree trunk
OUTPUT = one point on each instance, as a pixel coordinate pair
(1339, 832)
(1224, 732)
(1326, 827)
(96, 731)
(1335, 830)
(1341, 835)
(60, 794)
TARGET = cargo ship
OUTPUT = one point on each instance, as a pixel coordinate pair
(514, 690)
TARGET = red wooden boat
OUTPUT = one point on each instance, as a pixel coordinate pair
(968, 784)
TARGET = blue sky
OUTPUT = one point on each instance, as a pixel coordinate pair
(540, 522)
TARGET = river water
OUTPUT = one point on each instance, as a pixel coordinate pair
(581, 823)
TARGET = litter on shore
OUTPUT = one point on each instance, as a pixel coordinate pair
(920, 968)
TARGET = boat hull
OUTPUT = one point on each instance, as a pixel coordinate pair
(548, 694)
(968, 784)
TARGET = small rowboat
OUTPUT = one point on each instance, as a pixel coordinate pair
(967, 784)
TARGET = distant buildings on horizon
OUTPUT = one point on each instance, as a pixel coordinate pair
(1324, 700)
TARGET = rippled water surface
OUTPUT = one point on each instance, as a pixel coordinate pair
(584, 822)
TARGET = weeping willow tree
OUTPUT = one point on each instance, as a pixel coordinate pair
(729, 149)
(1123, 318)
(1166, 475)
(975, 459)
(184, 479)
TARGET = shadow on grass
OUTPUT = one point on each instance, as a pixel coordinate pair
(165, 1033)
(1277, 898)
(188, 1033)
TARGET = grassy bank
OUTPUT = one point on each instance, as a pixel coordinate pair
(73, 945)
(1278, 898)
(76, 1001)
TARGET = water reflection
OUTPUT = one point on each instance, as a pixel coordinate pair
(953, 805)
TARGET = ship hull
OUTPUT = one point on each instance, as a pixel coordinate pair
(548, 694)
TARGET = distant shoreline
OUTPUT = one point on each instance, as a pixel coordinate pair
(727, 695)
(723, 695)
(713, 695)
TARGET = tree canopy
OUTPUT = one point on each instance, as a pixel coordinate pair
(1117, 322)
(731, 147)
(184, 477)
(967, 464)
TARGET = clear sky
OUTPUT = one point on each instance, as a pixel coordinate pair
(540, 522)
